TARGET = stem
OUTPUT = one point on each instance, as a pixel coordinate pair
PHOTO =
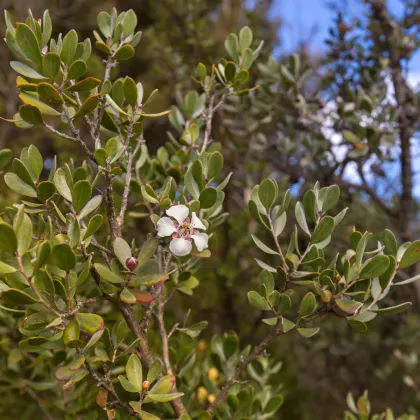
(274, 333)
(107, 384)
(177, 403)
(33, 287)
(209, 118)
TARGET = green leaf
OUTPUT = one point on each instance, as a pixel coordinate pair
(46, 28)
(69, 47)
(5, 157)
(23, 229)
(18, 186)
(230, 71)
(125, 52)
(43, 252)
(8, 240)
(77, 70)
(147, 251)
(360, 249)
(91, 206)
(274, 405)
(126, 385)
(94, 225)
(390, 242)
(134, 372)
(6, 269)
(267, 192)
(107, 275)
(348, 306)
(130, 91)
(308, 332)
(73, 230)
(308, 305)
(51, 65)
(83, 85)
(331, 196)
(357, 325)
(151, 279)
(104, 23)
(45, 190)
(81, 194)
(154, 371)
(72, 332)
(91, 323)
(374, 267)
(232, 47)
(88, 106)
(22, 171)
(301, 218)
(411, 255)
(122, 250)
(208, 198)
(28, 43)
(257, 301)
(261, 245)
(49, 93)
(287, 325)
(25, 70)
(35, 160)
(64, 257)
(129, 22)
(215, 165)
(164, 397)
(60, 183)
(32, 99)
(163, 386)
(127, 297)
(393, 309)
(280, 223)
(31, 114)
(245, 38)
(16, 297)
(323, 230)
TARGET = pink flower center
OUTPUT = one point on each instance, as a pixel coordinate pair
(184, 230)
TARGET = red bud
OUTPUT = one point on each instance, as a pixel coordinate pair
(131, 263)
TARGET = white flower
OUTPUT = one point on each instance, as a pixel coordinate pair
(183, 230)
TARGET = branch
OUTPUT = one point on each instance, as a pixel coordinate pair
(177, 403)
(107, 384)
(76, 139)
(274, 333)
(120, 218)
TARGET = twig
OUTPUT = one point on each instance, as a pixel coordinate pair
(120, 218)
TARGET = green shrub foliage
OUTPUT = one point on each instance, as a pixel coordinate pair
(83, 302)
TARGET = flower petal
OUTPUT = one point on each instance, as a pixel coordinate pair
(179, 213)
(201, 241)
(196, 222)
(165, 226)
(180, 247)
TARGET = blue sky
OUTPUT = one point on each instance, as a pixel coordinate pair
(309, 20)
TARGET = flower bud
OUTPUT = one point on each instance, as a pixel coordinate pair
(327, 296)
(146, 385)
(131, 263)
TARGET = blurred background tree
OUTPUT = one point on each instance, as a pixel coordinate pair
(348, 116)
